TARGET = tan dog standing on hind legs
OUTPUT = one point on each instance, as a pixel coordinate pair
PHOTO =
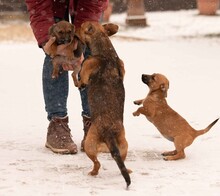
(103, 74)
(170, 124)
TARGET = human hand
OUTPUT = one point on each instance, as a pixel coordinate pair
(71, 66)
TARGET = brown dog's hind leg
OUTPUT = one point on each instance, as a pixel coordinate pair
(123, 147)
(122, 144)
(96, 166)
(91, 143)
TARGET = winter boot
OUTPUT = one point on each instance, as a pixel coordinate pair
(59, 137)
(86, 125)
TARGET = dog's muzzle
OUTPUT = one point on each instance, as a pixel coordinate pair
(63, 41)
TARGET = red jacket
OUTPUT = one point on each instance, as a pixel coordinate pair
(43, 12)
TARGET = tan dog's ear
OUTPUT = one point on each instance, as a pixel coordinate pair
(110, 28)
(164, 89)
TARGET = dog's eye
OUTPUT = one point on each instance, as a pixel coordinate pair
(90, 30)
(153, 77)
(60, 32)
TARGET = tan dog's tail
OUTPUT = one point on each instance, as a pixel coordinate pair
(111, 143)
(203, 131)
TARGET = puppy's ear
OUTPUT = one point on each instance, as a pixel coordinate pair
(110, 28)
(51, 30)
(164, 89)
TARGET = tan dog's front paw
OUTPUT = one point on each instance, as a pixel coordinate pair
(138, 102)
(136, 113)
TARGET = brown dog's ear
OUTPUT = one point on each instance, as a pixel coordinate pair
(110, 28)
(90, 29)
(51, 30)
(164, 89)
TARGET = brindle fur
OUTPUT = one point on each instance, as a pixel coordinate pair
(103, 74)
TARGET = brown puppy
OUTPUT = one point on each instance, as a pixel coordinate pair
(63, 32)
(170, 124)
(103, 74)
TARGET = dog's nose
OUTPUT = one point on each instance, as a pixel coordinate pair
(145, 78)
(67, 40)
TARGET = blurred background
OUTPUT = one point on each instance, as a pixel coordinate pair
(119, 5)
(14, 16)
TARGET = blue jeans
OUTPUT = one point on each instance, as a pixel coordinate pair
(56, 92)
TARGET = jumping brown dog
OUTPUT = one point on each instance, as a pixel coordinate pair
(63, 33)
(103, 74)
(170, 124)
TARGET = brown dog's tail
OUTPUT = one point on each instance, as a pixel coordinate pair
(111, 143)
(203, 131)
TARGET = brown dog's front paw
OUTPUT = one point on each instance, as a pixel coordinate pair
(81, 85)
(76, 82)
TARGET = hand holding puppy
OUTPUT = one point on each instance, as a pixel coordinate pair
(63, 50)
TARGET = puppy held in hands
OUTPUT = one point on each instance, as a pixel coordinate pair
(103, 74)
(62, 35)
(170, 124)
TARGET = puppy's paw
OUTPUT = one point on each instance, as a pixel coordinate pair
(54, 76)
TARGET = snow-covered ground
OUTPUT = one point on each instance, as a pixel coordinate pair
(177, 44)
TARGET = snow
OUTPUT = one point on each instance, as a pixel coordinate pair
(174, 44)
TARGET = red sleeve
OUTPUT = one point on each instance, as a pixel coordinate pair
(89, 10)
(42, 14)
(41, 17)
